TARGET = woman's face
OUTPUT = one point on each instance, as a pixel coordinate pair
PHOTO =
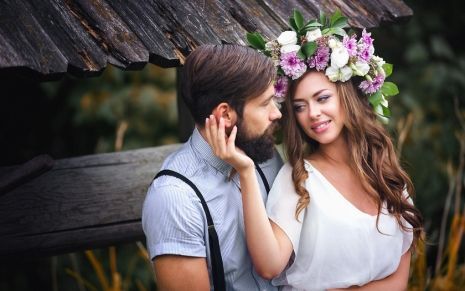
(318, 109)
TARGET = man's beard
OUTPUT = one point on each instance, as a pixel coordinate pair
(258, 148)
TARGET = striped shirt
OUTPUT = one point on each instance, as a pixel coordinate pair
(174, 221)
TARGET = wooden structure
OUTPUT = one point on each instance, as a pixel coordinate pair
(50, 38)
(48, 207)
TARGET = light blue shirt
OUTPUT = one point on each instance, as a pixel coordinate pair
(174, 221)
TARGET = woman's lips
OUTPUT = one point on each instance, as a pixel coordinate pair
(320, 127)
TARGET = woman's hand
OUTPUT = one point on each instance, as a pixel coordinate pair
(224, 146)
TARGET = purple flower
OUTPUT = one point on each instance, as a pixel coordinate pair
(292, 65)
(369, 87)
(280, 88)
(320, 58)
(366, 52)
(350, 43)
(366, 38)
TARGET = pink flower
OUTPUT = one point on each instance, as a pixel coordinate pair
(320, 58)
(292, 65)
(366, 38)
(369, 87)
(280, 88)
(350, 44)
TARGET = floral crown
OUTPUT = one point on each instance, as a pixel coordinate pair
(324, 45)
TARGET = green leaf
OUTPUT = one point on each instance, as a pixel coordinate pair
(312, 23)
(293, 24)
(389, 89)
(301, 54)
(335, 17)
(375, 98)
(281, 72)
(386, 111)
(331, 31)
(256, 40)
(340, 23)
(338, 31)
(299, 19)
(387, 69)
(322, 18)
(309, 48)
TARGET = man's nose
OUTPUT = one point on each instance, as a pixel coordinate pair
(275, 113)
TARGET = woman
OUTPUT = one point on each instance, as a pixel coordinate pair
(339, 214)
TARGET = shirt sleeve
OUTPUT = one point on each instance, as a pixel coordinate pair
(407, 235)
(281, 205)
(173, 221)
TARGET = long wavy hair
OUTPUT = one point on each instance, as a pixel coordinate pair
(372, 157)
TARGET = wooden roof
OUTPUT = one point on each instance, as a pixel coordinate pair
(50, 38)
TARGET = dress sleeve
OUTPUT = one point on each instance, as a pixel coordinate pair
(281, 205)
(173, 222)
(407, 235)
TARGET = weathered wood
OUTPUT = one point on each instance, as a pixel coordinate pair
(24, 173)
(52, 37)
(80, 203)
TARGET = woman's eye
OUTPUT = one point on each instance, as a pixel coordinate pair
(298, 108)
(322, 98)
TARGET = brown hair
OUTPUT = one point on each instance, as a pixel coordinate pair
(371, 151)
(228, 73)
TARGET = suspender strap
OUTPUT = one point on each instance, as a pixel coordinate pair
(262, 175)
(216, 260)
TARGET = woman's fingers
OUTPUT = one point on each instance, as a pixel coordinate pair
(232, 139)
(221, 137)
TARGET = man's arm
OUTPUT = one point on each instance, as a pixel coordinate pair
(181, 273)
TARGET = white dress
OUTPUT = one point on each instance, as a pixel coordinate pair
(335, 244)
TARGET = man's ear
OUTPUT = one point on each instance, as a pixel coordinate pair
(227, 112)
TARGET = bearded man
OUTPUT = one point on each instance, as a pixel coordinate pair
(195, 203)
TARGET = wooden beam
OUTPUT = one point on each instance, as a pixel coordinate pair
(84, 202)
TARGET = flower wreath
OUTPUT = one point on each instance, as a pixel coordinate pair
(324, 45)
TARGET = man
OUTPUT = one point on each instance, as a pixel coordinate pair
(236, 83)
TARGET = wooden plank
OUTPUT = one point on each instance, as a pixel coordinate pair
(123, 47)
(254, 17)
(82, 202)
(149, 26)
(24, 43)
(76, 43)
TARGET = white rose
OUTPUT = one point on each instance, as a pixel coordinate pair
(378, 60)
(332, 43)
(332, 73)
(339, 56)
(313, 34)
(345, 73)
(290, 48)
(287, 38)
(360, 68)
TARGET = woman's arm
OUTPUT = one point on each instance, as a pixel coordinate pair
(397, 281)
(269, 246)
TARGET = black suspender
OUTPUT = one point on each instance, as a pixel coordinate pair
(216, 259)
(262, 175)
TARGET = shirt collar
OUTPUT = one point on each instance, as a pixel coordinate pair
(200, 145)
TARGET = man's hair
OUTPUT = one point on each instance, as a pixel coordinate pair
(228, 73)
